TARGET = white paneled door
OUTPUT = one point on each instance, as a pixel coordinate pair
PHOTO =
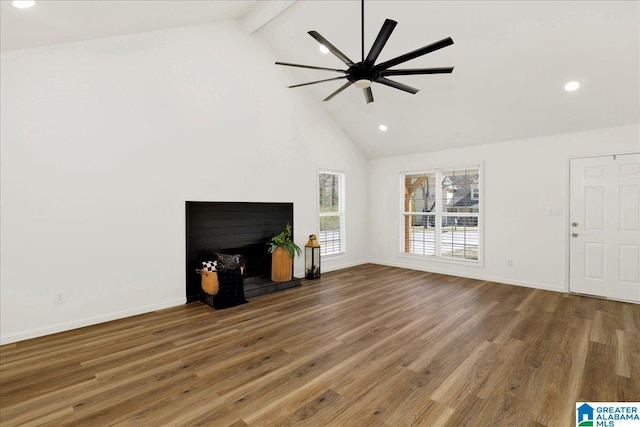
(604, 249)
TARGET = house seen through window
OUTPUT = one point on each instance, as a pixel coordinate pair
(441, 213)
(332, 201)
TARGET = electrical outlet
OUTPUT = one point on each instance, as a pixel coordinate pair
(58, 298)
(510, 263)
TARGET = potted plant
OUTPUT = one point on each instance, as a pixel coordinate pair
(283, 251)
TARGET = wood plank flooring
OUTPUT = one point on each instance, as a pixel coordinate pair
(364, 346)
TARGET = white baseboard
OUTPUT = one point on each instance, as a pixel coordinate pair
(61, 327)
(343, 266)
(327, 269)
(476, 277)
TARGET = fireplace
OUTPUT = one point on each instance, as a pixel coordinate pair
(243, 228)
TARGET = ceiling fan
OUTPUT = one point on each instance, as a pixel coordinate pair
(365, 72)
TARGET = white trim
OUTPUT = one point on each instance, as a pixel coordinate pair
(342, 208)
(473, 276)
(479, 277)
(262, 13)
(67, 326)
(567, 220)
(342, 266)
(334, 256)
(449, 166)
(603, 155)
(445, 260)
(439, 213)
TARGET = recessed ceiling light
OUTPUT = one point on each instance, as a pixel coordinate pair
(383, 128)
(323, 49)
(23, 4)
(572, 86)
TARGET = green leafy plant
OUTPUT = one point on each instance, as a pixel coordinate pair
(283, 240)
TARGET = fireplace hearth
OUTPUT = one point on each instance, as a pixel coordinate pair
(243, 228)
(257, 270)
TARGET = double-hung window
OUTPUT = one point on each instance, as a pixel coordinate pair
(441, 213)
(332, 201)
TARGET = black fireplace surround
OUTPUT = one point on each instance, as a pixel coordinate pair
(243, 228)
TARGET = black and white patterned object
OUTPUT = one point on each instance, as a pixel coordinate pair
(209, 265)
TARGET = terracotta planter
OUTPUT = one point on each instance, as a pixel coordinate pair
(281, 265)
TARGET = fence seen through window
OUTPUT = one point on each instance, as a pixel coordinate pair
(441, 213)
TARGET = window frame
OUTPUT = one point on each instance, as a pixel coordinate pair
(341, 214)
(439, 213)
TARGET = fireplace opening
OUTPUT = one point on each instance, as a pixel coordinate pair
(255, 259)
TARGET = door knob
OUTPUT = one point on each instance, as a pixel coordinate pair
(574, 224)
(574, 235)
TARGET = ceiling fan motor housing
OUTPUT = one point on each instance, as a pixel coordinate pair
(360, 72)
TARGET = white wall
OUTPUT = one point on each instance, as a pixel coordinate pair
(103, 141)
(522, 181)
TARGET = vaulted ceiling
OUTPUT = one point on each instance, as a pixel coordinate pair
(511, 59)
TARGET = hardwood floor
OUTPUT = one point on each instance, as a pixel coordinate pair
(365, 346)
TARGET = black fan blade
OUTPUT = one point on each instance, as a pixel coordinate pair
(340, 89)
(381, 40)
(318, 81)
(344, 58)
(414, 54)
(410, 71)
(368, 95)
(396, 85)
(313, 67)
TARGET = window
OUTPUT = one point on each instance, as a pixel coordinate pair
(331, 236)
(441, 213)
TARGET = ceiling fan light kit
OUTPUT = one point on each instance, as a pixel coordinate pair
(362, 83)
(366, 72)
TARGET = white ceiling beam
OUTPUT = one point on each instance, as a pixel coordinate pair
(263, 12)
